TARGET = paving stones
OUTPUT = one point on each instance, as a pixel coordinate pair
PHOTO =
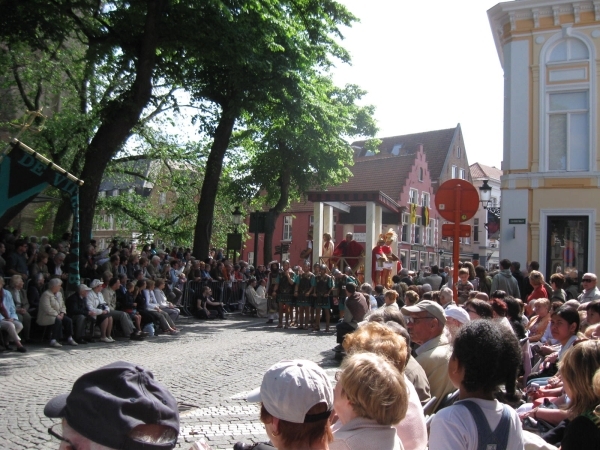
(209, 368)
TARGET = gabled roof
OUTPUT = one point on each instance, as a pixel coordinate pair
(479, 170)
(436, 145)
(386, 174)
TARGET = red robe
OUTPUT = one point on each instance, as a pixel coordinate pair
(378, 250)
(350, 250)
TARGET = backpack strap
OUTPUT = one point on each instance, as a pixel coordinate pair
(486, 438)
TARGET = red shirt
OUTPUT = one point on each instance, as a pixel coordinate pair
(538, 292)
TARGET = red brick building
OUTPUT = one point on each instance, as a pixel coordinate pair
(407, 169)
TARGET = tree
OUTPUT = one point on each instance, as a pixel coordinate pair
(302, 144)
(252, 52)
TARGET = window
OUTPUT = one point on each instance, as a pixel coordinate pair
(458, 152)
(115, 192)
(494, 202)
(425, 201)
(462, 174)
(413, 260)
(405, 237)
(413, 196)
(421, 171)
(454, 172)
(418, 231)
(568, 115)
(287, 228)
(569, 129)
(429, 233)
(422, 259)
(475, 233)
(404, 257)
(251, 257)
(396, 150)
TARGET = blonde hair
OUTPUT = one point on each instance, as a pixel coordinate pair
(536, 277)
(392, 294)
(578, 368)
(377, 338)
(542, 302)
(374, 388)
(412, 296)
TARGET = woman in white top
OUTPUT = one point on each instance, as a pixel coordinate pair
(390, 300)
(485, 356)
(168, 307)
(99, 308)
(153, 305)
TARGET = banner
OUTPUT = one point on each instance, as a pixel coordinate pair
(425, 216)
(413, 213)
(23, 175)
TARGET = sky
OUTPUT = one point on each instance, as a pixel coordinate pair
(429, 65)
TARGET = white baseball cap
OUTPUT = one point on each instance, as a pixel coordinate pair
(457, 313)
(291, 388)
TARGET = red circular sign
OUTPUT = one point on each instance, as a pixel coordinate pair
(448, 196)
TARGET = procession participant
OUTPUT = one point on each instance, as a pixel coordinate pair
(393, 262)
(305, 284)
(273, 285)
(378, 259)
(350, 250)
(285, 299)
(327, 251)
(323, 287)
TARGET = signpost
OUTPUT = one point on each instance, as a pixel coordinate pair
(456, 201)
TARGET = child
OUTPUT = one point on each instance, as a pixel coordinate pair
(485, 356)
(464, 286)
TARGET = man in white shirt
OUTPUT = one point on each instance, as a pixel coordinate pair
(590, 290)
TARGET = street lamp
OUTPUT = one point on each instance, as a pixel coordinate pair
(237, 218)
(485, 194)
(441, 253)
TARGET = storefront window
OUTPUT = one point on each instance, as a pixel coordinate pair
(567, 245)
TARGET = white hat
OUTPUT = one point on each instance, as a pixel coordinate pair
(95, 283)
(83, 287)
(457, 313)
(291, 388)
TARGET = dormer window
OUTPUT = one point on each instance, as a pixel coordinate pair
(396, 150)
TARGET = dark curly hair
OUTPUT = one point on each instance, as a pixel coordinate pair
(489, 355)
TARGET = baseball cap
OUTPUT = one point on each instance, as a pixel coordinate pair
(84, 287)
(105, 405)
(428, 306)
(457, 313)
(95, 283)
(290, 389)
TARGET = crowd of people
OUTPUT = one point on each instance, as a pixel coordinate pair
(502, 359)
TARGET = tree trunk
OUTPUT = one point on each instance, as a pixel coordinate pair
(210, 184)
(119, 117)
(274, 212)
(63, 219)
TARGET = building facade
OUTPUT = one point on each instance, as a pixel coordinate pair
(549, 53)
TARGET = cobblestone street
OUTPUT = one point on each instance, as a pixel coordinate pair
(208, 367)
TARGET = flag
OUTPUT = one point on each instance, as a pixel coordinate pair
(425, 216)
(23, 175)
(413, 213)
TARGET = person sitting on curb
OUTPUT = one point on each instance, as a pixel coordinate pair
(118, 406)
(9, 322)
(356, 308)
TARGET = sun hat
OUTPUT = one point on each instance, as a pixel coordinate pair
(457, 313)
(428, 306)
(290, 389)
(105, 405)
(95, 283)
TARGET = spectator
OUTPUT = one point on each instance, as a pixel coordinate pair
(16, 263)
(40, 266)
(383, 340)
(484, 357)
(405, 278)
(126, 320)
(515, 270)
(485, 282)
(34, 292)
(539, 322)
(96, 304)
(9, 322)
(463, 286)
(2, 260)
(478, 309)
(367, 416)
(505, 281)
(425, 322)
(456, 318)
(207, 307)
(389, 299)
(593, 319)
(590, 290)
(356, 308)
(411, 298)
(154, 267)
(52, 311)
(296, 403)
(118, 406)
(433, 279)
(22, 305)
(147, 304)
(153, 306)
(157, 287)
(260, 303)
(79, 313)
(557, 281)
(367, 290)
(472, 274)
(577, 369)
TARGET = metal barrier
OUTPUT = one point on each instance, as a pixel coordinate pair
(231, 293)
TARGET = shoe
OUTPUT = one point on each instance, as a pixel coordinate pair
(243, 446)
(81, 341)
(110, 339)
(143, 334)
(104, 339)
(338, 348)
(70, 341)
(173, 332)
(21, 349)
(136, 337)
(55, 343)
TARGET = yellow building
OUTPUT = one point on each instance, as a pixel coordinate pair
(550, 183)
